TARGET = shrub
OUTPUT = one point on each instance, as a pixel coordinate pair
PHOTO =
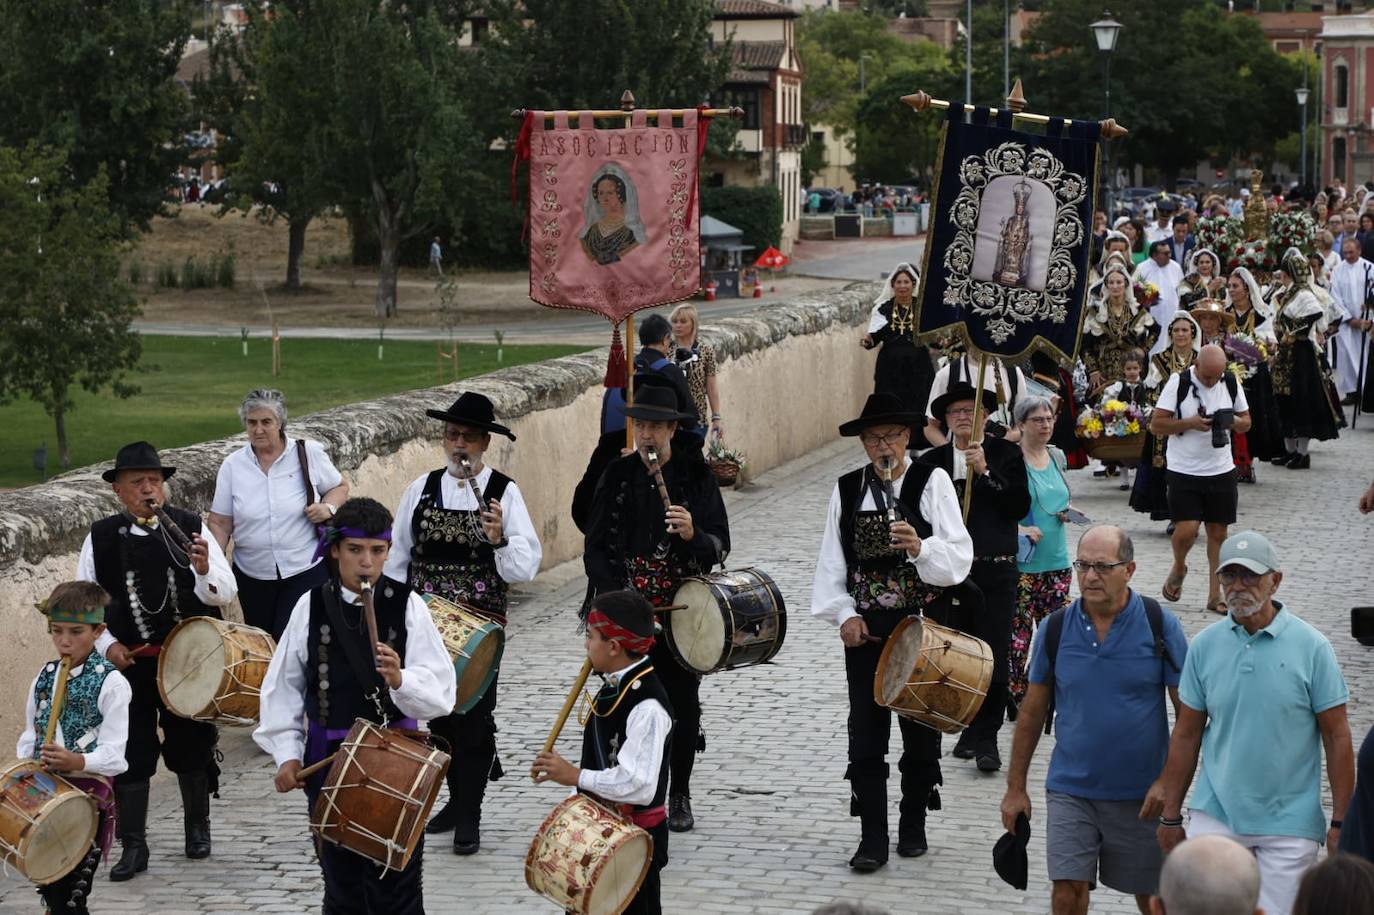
(166, 275)
(756, 211)
(135, 272)
(224, 272)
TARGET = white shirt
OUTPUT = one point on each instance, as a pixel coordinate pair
(271, 532)
(428, 686)
(109, 737)
(1192, 453)
(996, 379)
(1348, 285)
(1155, 232)
(216, 588)
(518, 560)
(944, 560)
(1166, 278)
(634, 778)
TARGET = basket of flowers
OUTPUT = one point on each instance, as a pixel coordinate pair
(1253, 254)
(725, 463)
(1290, 230)
(1113, 432)
(1220, 234)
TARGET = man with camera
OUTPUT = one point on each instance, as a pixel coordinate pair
(1197, 410)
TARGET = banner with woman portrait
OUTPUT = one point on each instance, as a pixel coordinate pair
(613, 225)
(1006, 259)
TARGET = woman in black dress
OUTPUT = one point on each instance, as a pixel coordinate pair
(904, 367)
(1254, 319)
(1300, 386)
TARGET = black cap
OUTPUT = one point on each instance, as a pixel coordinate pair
(1009, 854)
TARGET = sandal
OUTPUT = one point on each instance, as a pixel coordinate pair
(1218, 607)
(1173, 586)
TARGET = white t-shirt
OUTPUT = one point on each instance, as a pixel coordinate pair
(1192, 453)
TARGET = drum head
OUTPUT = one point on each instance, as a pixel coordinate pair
(900, 656)
(698, 631)
(476, 671)
(60, 838)
(621, 873)
(191, 668)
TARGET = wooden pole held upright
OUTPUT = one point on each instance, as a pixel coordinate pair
(976, 438)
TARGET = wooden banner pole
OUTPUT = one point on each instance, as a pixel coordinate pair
(922, 100)
(976, 436)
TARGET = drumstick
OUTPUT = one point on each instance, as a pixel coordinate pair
(567, 707)
(59, 697)
(872, 638)
(315, 767)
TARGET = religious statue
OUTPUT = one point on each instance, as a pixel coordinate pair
(1013, 247)
(1256, 213)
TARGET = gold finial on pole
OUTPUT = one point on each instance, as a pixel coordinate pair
(1016, 100)
(627, 101)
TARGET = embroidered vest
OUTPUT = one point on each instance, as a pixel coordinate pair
(610, 717)
(880, 578)
(333, 695)
(80, 707)
(449, 558)
(136, 571)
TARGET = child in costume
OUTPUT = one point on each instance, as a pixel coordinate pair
(1130, 389)
(87, 747)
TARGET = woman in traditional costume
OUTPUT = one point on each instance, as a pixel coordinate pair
(904, 367)
(1300, 385)
(1115, 325)
(1254, 320)
(1203, 279)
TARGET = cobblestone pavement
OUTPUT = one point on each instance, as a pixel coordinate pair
(772, 832)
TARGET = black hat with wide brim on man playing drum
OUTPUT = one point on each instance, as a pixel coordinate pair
(882, 410)
(137, 456)
(474, 410)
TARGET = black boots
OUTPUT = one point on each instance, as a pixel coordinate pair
(446, 819)
(868, 801)
(467, 803)
(680, 817)
(132, 803)
(918, 795)
(195, 804)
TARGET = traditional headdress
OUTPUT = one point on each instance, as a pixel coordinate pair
(75, 602)
(887, 292)
(626, 619)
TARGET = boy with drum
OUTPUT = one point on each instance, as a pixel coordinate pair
(86, 743)
(883, 559)
(325, 673)
(627, 732)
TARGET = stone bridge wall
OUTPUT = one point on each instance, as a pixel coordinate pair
(789, 374)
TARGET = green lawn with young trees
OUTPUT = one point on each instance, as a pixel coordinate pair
(190, 389)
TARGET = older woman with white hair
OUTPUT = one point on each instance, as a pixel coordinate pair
(1043, 559)
(269, 496)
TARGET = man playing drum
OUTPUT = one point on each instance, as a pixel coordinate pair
(466, 550)
(153, 584)
(634, 541)
(325, 673)
(878, 564)
(87, 742)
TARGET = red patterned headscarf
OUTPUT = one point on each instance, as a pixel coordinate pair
(614, 632)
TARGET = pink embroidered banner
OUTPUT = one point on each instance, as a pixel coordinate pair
(613, 223)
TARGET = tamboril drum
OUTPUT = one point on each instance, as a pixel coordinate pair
(47, 824)
(474, 642)
(378, 794)
(212, 670)
(730, 619)
(587, 858)
(933, 674)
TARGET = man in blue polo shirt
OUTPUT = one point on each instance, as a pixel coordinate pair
(1262, 697)
(1108, 679)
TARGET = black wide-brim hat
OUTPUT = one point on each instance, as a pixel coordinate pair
(137, 456)
(472, 409)
(882, 410)
(961, 391)
(656, 404)
(1009, 857)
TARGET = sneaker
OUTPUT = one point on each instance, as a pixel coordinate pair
(680, 817)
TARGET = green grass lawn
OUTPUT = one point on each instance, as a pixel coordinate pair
(191, 388)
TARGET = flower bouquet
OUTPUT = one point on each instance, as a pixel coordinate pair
(1113, 432)
(1254, 255)
(725, 463)
(1244, 354)
(1290, 230)
(1220, 234)
(1146, 294)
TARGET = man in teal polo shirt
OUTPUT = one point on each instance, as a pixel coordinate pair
(1262, 697)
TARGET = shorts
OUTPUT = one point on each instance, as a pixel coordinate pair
(1211, 500)
(1084, 837)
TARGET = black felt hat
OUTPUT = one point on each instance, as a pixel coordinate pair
(1009, 854)
(882, 410)
(472, 409)
(655, 404)
(137, 456)
(958, 391)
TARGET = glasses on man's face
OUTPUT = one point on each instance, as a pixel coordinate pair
(959, 411)
(471, 436)
(1231, 574)
(1101, 568)
(873, 438)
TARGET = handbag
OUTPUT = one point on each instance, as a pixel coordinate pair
(1025, 546)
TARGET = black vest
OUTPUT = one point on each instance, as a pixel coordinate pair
(333, 695)
(610, 716)
(854, 484)
(439, 534)
(119, 554)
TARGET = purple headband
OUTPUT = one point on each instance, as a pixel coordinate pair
(330, 535)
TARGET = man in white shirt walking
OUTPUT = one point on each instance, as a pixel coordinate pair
(1350, 281)
(1161, 270)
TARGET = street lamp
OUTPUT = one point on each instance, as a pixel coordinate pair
(1302, 137)
(1106, 30)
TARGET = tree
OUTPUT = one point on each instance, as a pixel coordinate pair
(97, 80)
(65, 315)
(893, 143)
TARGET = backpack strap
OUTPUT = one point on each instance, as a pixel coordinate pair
(1053, 629)
(1155, 614)
(660, 363)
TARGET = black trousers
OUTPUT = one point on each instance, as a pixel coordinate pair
(267, 603)
(870, 724)
(992, 623)
(647, 901)
(471, 739)
(684, 693)
(60, 895)
(354, 885)
(185, 746)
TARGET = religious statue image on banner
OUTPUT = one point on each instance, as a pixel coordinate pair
(1015, 226)
(611, 224)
